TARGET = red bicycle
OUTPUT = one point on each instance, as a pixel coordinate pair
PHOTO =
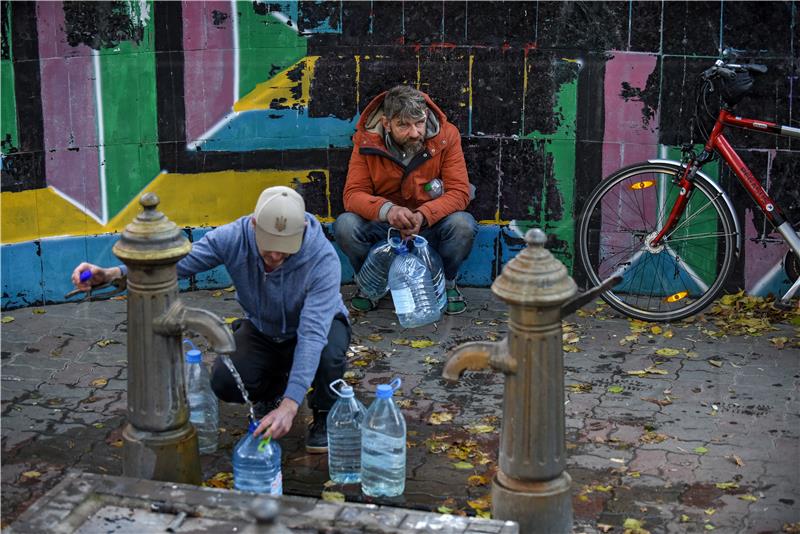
(668, 229)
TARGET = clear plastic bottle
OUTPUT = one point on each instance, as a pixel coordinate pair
(383, 445)
(373, 277)
(257, 464)
(433, 262)
(412, 290)
(435, 188)
(344, 435)
(203, 404)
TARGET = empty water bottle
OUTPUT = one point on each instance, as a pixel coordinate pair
(373, 277)
(433, 262)
(383, 445)
(412, 290)
(435, 188)
(203, 404)
(257, 464)
(344, 435)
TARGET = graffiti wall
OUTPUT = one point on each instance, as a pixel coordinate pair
(207, 103)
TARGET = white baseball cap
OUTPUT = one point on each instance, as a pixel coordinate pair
(280, 217)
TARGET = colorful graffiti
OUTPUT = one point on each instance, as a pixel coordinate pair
(208, 102)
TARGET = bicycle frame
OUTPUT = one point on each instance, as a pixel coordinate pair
(719, 143)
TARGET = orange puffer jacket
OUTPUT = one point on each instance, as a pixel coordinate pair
(376, 176)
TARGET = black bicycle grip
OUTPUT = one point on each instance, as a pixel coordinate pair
(756, 68)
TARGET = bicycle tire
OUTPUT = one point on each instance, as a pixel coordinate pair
(681, 276)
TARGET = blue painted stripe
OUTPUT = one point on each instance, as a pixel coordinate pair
(22, 275)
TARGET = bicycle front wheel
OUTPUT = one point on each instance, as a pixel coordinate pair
(674, 279)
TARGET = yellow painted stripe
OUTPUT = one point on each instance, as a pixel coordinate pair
(206, 199)
(280, 87)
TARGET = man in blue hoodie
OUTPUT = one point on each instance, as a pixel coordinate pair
(295, 332)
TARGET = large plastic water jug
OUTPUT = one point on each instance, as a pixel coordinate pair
(257, 464)
(433, 262)
(203, 404)
(383, 445)
(373, 277)
(344, 435)
(412, 290)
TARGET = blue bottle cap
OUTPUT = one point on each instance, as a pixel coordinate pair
(85, 275)
(193, 356)
(251, 427)
(401, 250)
(384, 391)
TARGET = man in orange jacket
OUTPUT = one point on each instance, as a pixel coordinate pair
(402, 143)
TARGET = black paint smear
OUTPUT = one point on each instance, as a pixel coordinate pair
(100, 24)
(691, 28)
(5, 30)
(583, 25)
(482, 156)
(387, 22)
(647, 96)
(554, 202)
(496, 94)
(338, 162)
(218, 17)
(423, 22)
(522, 167)
(546, 74)
(266, 8)
(444, 76)
(378, 74)
(645, 19)
(677, 97)
(314, 192)
(295, 74)
(763, 27)
(315, 14)
(333, 87)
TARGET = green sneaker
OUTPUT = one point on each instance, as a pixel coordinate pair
(362, 304)
(455, 302)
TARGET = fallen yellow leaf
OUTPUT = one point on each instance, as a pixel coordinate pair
(477, 480)
(98, 382)
(229, 320)
(422, 343)
(400, 341)
(105, 342)
(230, 289)
(437, 418)
(216, 294)
(667, 352)
(463, 465)
(726, 485)
(483, 514)
(656, 329)
(222, 480)
(332, 496)
(715, 363)
(444, 510)
(39, 311)
(31, 474)
(747, 497)
(481, 503)
(480, 429)
(571, 348)
(7, 319)
(375, 337)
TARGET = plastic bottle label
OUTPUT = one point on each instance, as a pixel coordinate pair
(276, 487)
(403, 300)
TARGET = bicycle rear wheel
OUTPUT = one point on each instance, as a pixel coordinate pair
(670, 281)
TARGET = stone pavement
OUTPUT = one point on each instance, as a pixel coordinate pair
(703, 436)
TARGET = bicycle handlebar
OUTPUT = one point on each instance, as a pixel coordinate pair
(729, 70)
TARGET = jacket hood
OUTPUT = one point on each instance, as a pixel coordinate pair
(370, 121)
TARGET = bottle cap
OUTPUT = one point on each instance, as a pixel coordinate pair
(384, 391)
(251, 427)
(193, 356)
(345, 390)
(401, 250)
(86, 275)
(427, 187)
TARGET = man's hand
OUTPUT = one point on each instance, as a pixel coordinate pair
(418, 220)
(278, 422)
(401, 218)
(96, 275)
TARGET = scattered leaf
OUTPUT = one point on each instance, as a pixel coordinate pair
(709, 526)
(653, 437)
(603, 527)
(602, 489)
(463, 465)
(444, 510)
(430, 360)
(422, 343)
(360, 363)
(39, 311)
(400, 341)
(480, 429)
(779, 342)
(656, 330)
(747, 497)
(116, 443)
(230, 289)
(715, 363)
(437, 418)
(726, 485)
(477, 480)
(684, 518)
(634, 474)
(405, 403)
(483, 514)
(634, 526)
(349, 375)
(222, 480)
(570, 337)
(332, 496)
(229, 320)
(375, 337)
(481, 503)
(571, 348)
(660, 402)
(98, 382)
(737, 460)
(106, 342)
(668, 334)
(633, 338)
(98, 425)
(656, 371)
(700, 450)
(710, 511)
(580, 388)
(667, 352)
(31, 474)
(615, 389)
(216, 294)
(7, 319)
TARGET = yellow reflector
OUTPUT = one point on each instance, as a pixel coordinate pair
(644, 184)
(677, 296)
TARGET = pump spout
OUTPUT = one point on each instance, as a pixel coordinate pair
(179, 318)
(479, 355)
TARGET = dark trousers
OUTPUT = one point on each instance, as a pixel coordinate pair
(264, 365)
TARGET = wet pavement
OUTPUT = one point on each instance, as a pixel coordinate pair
(703, 435)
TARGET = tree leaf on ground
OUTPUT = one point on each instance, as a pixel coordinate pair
(117, 443)
(737, 460)
(709, 526)
(660, 402)
(614, 389)
(779, 342)
(375, 337)
(98, 382)
(481, 503)
(570, 337)
(603, 527)
(31, 474)
(222, 480)
(726, 485)
(430, 360)
(216, 294)
(667, 352)
(580, 388)
(39, 311)
(684, 518)
(656, 371)
(229, 320)
(477, 480)
(106, 342)
(422, 343)
(405, 403)
(656, 329)
(480, 429)
(571, 348)
(7, 319)
(633, 338)
(668, 334)
(700, 450)
(634, 526)
(602, 489)
(230, 289)
(400, 341)
(747, 497)
(360, 363)
(437, 418)
(715, 363)
(444, 510)
(333, 496)
(710, 511)
(463, 465)
(653, 437)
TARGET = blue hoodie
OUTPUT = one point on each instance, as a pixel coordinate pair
(298, 299)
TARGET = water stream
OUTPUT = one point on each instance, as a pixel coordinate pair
(229, 364)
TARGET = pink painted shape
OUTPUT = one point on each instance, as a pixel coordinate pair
(68, 110)
(208, 66)
(626, 139)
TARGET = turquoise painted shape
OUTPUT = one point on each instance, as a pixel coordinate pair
(216, 278)
(279, 129)
(22, 275)
(478, 268)
(62, 254)
(657, 275)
